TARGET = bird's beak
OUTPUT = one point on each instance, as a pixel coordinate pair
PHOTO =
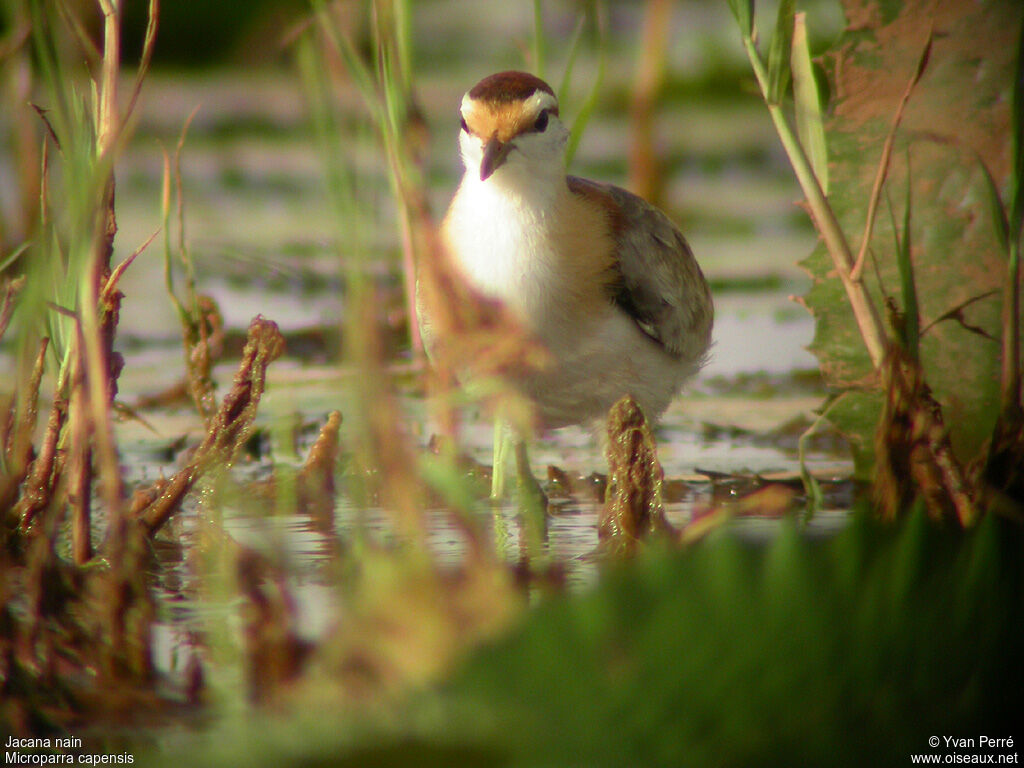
(495, 153)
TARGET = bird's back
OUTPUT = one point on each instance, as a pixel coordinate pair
(655, 278)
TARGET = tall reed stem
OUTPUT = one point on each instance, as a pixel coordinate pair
(868, 320)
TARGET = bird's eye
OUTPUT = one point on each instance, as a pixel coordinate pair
(542, 121)
(462, 123)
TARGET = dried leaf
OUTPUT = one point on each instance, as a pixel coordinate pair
(633, 503)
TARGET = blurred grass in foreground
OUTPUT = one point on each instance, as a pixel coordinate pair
(847, 651)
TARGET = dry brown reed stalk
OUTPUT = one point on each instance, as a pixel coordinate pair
(37, 490)
(227, 431)
(85, 436)
(11, 289)
(315, 483)
(202, 325)
(16, 434)
(913, 455)
(16, 71)
(633, 508)
(80, 467)
(645, 177)
(96, 335)
(88, 382)
(96, 365)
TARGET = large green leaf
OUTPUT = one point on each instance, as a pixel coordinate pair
(957, 113)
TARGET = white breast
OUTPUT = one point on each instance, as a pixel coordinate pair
(501, 244)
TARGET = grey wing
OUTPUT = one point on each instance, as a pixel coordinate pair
(658, 281)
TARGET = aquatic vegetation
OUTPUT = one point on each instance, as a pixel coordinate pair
(740, 634)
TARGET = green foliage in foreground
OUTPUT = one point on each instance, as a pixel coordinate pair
(851, 650)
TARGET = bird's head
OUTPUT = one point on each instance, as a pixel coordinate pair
(510, 124)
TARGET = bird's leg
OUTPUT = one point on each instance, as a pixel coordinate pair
(498, 458)
(527, 482)
(533, 503)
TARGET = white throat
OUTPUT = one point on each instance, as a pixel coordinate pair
(500, 231)
(533, 172)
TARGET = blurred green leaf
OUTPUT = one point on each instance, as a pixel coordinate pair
(788, 651)
(596, 87)
(539, 47)
(743, 11)
(737, 655)
(779, 52)
(444, 476)
(809, 125)
(356, 66)
(570, 60)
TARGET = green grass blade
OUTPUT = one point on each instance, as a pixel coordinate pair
(355, 65)
(340, 184)
(812, 488)
(587, 110)
(996, 208)
(809, 124)
(539, 52)
(403, 41)
(779, 52)
(743, 10)
(570, 62)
